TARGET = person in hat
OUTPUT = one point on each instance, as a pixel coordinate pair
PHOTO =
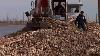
(81, 21)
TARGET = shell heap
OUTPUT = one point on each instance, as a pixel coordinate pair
(63, 39)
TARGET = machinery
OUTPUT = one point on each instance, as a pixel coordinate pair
(39, 10)
(54, 9)
(46, 8)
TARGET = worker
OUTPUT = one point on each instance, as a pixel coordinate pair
(76, 13)
(27, 14)
(72, 18)
(81, 21)
(59, 10)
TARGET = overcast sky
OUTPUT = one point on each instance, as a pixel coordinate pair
(15, 8)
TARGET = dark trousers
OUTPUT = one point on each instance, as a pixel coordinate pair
(81, 25)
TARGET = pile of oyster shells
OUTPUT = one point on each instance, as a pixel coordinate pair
(63, 39)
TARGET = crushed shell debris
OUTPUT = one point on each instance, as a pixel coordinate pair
(64, 39)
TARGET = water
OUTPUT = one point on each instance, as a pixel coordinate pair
(7, 29)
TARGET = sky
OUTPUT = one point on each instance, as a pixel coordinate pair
(91, 8)
(15, 8)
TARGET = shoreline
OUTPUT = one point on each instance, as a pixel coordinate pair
(9, 29)
(2, 24)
